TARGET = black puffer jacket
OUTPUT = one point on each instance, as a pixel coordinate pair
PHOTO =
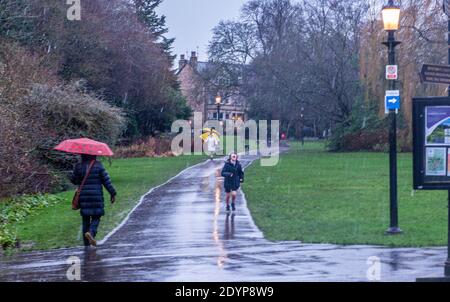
(91, 197)
(233, 174)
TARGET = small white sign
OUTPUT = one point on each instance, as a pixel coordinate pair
(391, 72)
(392, 92)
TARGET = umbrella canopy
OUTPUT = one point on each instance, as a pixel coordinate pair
(84, 146)
(207, 132)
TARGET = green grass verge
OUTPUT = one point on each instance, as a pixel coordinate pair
(342, 198)
(58, 226)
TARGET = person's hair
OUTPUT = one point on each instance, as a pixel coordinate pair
(87, 157)
(231, 154)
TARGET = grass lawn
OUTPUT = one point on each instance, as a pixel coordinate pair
(59, 226)
(343, 198)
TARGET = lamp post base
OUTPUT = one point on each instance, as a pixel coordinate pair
(447, 268)
(446, 277)
(393, 231)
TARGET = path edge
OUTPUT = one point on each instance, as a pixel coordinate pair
(125, 220)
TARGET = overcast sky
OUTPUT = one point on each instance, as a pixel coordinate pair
(190, 22)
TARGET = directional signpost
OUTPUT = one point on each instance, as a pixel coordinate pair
(438, 74)
(447, 7)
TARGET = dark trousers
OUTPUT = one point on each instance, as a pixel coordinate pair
(90, 224)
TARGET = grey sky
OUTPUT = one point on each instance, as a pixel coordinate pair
(190, 21)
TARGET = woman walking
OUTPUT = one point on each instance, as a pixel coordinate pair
(234, 176)
(91, 200)
(212, 142)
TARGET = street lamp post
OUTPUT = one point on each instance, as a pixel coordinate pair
(218, 103)
(391, 20)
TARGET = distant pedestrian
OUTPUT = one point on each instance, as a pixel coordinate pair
(91, 200)
(234, 176)
(212, 142)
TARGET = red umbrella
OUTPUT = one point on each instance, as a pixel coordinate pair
(84, 146)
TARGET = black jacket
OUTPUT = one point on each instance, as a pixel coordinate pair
(233, 174)
(91, 197)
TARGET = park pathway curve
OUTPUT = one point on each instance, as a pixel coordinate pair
(180, 232)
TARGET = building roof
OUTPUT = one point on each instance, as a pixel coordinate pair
(202, 67)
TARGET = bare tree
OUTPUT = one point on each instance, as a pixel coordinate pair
(303, 59)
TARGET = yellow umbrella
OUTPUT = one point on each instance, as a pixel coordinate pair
(211, 130)
(208, 132)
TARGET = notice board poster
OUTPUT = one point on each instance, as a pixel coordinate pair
(437, 125)
(436, 161)
(431, 143)
(448, 162)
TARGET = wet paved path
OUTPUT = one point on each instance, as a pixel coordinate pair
(180, 232)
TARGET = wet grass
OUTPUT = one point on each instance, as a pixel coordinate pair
(59, 226)
(342, 198)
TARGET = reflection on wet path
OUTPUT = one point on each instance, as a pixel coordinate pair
(217, 209)
(180, 232)
(229, 227)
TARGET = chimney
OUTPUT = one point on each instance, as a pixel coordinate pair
(194, 59)
(182, 62)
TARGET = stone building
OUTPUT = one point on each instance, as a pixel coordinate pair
(199, 83)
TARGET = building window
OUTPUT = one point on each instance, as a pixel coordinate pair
(215, 115)
(227, 116)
